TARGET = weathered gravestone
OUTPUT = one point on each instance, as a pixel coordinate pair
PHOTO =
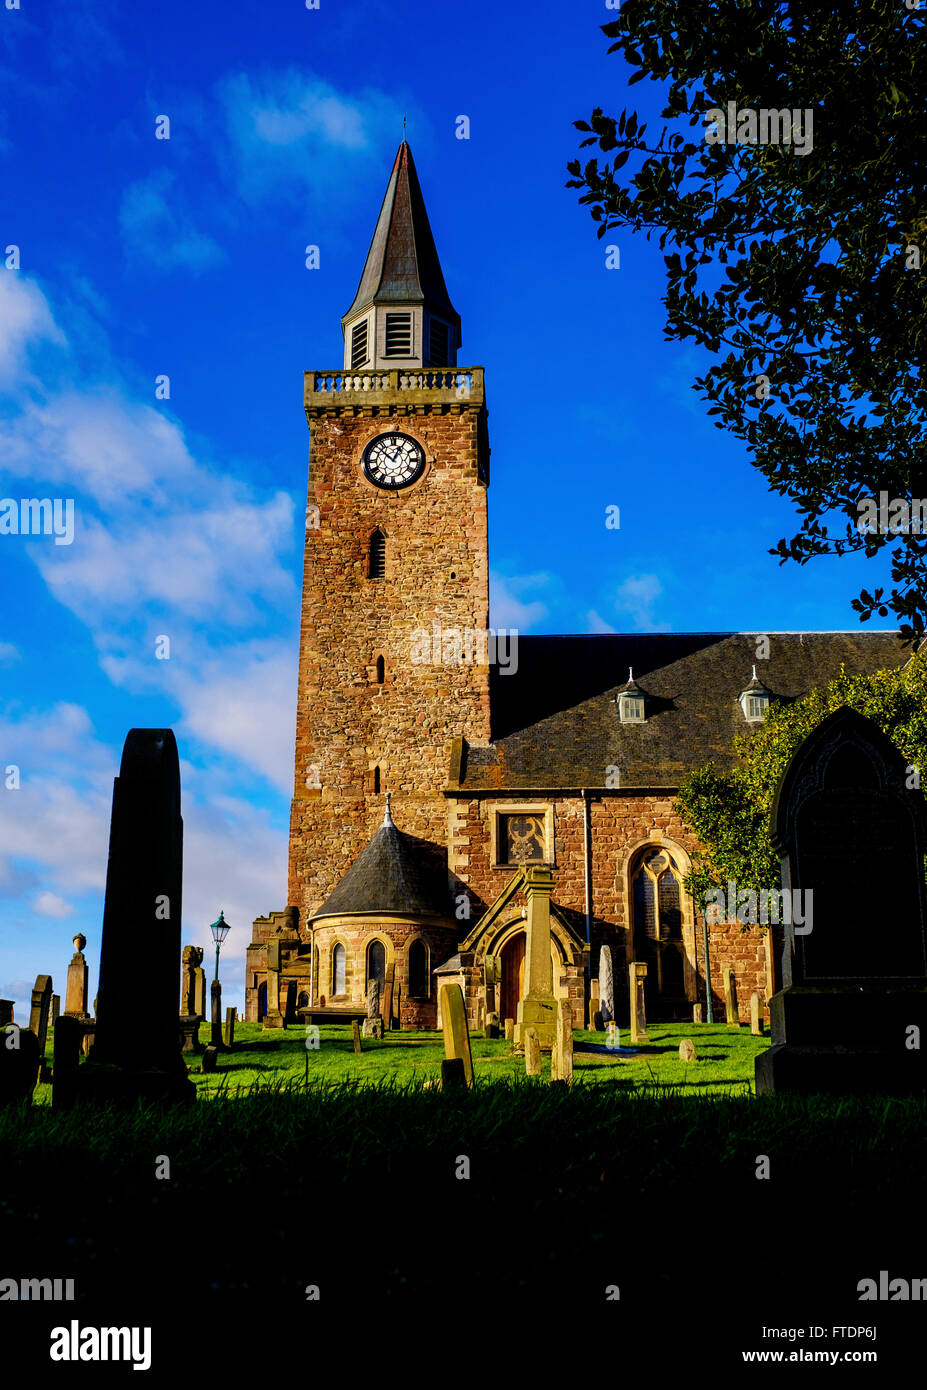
(231, 1018)
(215, 991)
(355, 1035)
(696, 1013)
(136, 1049)
(561, 1058)
(210, 1059)
(532, 1052)
(456, 1031)
(687, 1052)
(388, 985)
(606, 986)
(273, 1018)
(756, 1007)
(510, 1030)
(731, 1012)
(373, 1023)
(853, 979)
(491, 1028)
(593, 1004)
(537, 1007)
(38, 1018)
(19, 1064)
(189, 1017)
(637, 974)
(55, 1009)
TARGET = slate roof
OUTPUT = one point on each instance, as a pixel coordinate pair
(570, 733)
(402, 264)
(393, 873)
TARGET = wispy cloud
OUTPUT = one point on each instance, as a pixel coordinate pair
(510, 604)
(636, 597)
(158, 226)
(596, 623)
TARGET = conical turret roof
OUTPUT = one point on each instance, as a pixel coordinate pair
(402, 264)
(391, 874)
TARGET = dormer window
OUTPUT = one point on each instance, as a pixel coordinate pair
(630, 701)
(754, 700)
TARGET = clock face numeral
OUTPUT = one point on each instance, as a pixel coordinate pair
(393, 460)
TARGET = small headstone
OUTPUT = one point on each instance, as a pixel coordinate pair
(355, 1034)
(453, 1074)
(606, 985)
(456, 1032)
(756, 1024)
(273, 1018)
(55, 1008)
(687, 1052)
(373, 1023)
(38, 1018)
(597, 1023)
(613, 1036)
(210, 1059)
(563, 1043)
(491, 1028)
(696, 1013)
(594, 1007)
(730, 998)
(509, 1029)
(532, 1053)
(231, 1018)
(6, 1012)
(388, 986)
(19, 1064)
(637, 973)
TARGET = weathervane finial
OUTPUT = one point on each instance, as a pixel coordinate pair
(387, 816)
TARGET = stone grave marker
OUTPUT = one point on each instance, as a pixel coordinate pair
(491, 1028)
(355, 1033)
(456, 1032)
(687, 1052)
(561, 1062)
(373, 1023)
(637, 974)
(19, 1064)
(537, 1008)
(756, 1024)
(55, 1008)
(594, 1007)
(510, 1030)
(851, 833)
(136, 1050)
(388, 986)
(273, 1018)
(453, 1074)
(38, 1018)
(606, 985)
(696, 1013)
(730, 998)
(76, 991)
(190, 1019)
(231, 1018)
(210, 1059)
(532, 1053)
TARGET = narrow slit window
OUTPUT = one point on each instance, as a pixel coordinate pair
(376, 780)
(438, 343)
(381, 670)
(376, 567)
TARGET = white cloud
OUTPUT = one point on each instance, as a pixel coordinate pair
(506, 606)
(8, 653)
(25, 320)
(157, 225)
(596, 623)
(50, 905)
(636, 596)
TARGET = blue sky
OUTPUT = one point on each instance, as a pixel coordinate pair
(185, 257)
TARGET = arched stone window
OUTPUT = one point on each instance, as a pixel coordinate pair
(419, 984)
(381, 669)
(376, 963)
(656, 884)
(339, 970)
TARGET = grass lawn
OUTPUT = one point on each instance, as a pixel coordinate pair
(724, 1066)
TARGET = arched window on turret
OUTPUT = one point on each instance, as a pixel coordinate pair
(376, 556)
(418, 970)
(339, 971)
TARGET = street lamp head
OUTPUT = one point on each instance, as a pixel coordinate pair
(220, 929)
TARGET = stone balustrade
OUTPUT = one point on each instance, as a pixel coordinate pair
(455, 386)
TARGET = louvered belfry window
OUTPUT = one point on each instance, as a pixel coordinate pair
(438, 343)
(359, 344)
(376, 564)
(398, 335)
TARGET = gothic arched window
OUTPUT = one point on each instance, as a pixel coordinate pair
(376, 963)
(376, 556)
(339, 970)
(418, 970)
(656, 885)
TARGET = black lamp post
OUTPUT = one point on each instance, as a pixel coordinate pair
(220, 930)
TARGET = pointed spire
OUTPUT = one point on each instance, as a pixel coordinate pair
(387, 815)
(402, 270)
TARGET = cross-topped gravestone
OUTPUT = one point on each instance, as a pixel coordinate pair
(851, 832)
(136, 1049)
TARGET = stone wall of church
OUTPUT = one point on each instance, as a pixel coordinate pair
(621, 826)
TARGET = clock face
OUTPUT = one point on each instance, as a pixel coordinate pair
(393, 460)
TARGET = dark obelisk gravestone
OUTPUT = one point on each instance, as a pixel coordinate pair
(850, 1012)
(136, 1049)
